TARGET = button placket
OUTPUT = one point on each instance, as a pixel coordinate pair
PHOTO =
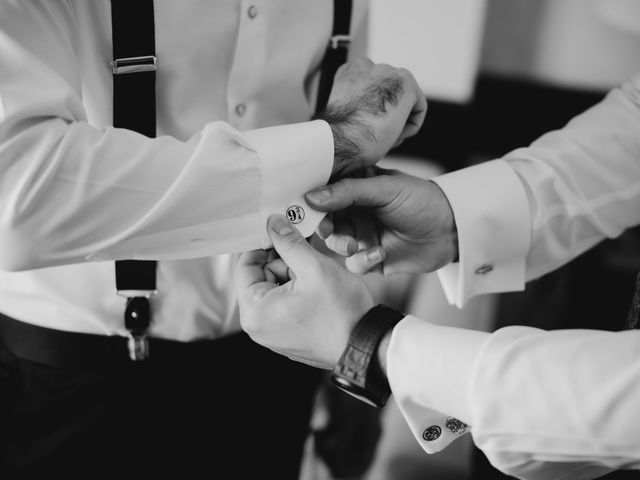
(248, 64)
(241, 109)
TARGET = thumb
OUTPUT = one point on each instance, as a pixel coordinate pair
(291, 245)
(375, 191)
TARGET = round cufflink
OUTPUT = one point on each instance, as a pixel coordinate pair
(295, 213)
(432, 433)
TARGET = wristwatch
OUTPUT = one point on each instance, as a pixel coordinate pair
(358, 371)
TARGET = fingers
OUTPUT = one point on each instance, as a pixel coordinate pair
(358, 235)
(342, 244)
(418, 110)
(277, 271)
(250, 278)
(416, 118)
(366, 261)
(291, 245)
(325, 227)
(369, 192)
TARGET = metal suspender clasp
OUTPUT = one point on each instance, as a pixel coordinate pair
(148, 63)
(136, 293)
(338, 41)
(137, 318)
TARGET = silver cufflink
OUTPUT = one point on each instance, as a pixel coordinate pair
(484, 269)
(456, 426)
(432, 433)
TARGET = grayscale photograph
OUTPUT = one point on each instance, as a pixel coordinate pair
(320, 239)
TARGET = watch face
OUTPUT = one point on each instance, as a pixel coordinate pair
(355, 391)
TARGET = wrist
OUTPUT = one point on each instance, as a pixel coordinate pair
(347, 131)
(359, 371)
(383, 348)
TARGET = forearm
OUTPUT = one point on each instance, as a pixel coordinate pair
(540, 404)
(522, 216)
(582, 180)
(75, 193)
(73, 189)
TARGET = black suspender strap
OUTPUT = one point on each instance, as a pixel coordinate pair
(337, 50)
(134, 107)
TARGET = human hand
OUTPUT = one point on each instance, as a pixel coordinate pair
(390, 222)
(301, 304)
(371, 109)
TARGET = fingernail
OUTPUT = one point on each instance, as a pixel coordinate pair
(346, 244)
(280, 225)
(374, 255)
(325, 228)
(320, 195)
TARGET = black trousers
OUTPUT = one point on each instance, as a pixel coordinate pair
(219, 409)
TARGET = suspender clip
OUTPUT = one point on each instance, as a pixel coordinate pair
(148, 63)
(137, 318)
(136, 293)
(138, 347)
(338, 41)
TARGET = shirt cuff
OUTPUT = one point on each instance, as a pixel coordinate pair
(493, 219)
(430, 368)
(294, 159)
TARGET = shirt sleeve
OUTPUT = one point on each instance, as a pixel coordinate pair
(566, 192)
(72, 192)
(539, 404)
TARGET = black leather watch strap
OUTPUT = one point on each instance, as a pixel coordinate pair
(358, 371)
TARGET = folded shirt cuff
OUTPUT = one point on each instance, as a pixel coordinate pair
(430, 368)
(493, 219)
(294, 158)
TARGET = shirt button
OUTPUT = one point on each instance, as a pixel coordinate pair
(241, 109)
(252, 12)
(484, 269)
(432, 433)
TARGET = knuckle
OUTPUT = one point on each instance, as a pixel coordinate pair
(383, 68)
(402, 78)
(404, 73)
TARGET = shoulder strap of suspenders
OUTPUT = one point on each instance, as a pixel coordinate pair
(134, 107)
(134, 68)
(337, 50)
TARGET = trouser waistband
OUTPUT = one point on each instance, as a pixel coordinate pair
(72, 349)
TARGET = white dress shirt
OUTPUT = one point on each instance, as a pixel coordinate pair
(541, 405)
(236, 87)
